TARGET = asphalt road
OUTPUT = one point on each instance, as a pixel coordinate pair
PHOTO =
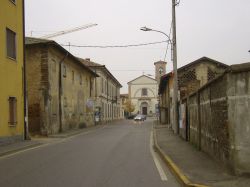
(114, 156)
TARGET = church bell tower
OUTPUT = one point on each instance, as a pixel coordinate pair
(160, 69)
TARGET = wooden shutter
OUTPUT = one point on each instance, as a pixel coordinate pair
(12, 111)
(11, 43)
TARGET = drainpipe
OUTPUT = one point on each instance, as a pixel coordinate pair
(60, 91)
(96, 101)
(108, 111)
(25, 99)
(199, 120)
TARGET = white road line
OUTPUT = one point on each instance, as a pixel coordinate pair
(48, 144)
(156, 160)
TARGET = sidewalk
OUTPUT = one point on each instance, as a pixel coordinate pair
(193, 165)
(13, 147)
(75, 132)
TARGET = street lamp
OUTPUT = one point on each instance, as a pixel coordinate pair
(149, 29)
(175, 88)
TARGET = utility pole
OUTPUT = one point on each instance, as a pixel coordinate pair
(175, 89)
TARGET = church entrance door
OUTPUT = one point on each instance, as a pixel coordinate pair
(144, 108)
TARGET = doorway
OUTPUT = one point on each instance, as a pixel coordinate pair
(144, 108)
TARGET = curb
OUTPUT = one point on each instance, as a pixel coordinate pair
(66, 135)
(76, 132)
(173, 167)
(19, 149)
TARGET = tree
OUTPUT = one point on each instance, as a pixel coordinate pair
(129, 106)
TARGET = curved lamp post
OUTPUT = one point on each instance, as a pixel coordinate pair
(175, 88)
(149, 29)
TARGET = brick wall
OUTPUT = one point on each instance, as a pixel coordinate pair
(37, 86)
(43, 64)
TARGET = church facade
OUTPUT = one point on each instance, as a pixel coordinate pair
(143, 93)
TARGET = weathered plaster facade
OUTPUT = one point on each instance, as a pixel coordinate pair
(124, 100)
(107, 93)
(11, 71)
(190, 78)
(60, 91)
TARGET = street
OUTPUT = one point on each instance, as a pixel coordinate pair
(115, 155)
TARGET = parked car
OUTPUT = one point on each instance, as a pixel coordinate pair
(139, 117)
(131, 116)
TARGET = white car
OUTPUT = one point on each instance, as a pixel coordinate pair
(139, 117)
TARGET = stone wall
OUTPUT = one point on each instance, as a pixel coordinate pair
(208, 120)
(193, 120)
(43, 72)
(214, 120)
(218, 117)
(238, 94)
(36, 86)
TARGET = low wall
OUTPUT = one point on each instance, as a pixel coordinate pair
(219, 118)
(239, 116)
(193, 120)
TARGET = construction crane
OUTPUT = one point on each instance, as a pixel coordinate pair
(69, 31)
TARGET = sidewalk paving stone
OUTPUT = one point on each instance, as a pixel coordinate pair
(196, 165)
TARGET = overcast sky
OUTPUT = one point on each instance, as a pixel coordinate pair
(219, 29)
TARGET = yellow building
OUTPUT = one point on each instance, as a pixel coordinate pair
(11, 70)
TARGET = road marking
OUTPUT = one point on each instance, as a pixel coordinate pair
(56, 141)
(156, 160)
(22, 151)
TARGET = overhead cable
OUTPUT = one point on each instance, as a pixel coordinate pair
(170, 31)
(115, 46)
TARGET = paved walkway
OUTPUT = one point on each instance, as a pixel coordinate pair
(196, 165)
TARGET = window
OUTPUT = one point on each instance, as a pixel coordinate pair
(53, 64)
(90, 87)
(64, 71)
(102, 85)
(144, 92)
(87, 82)
(12, 111)
(80, 77)
(73, 76)
(11, 43)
